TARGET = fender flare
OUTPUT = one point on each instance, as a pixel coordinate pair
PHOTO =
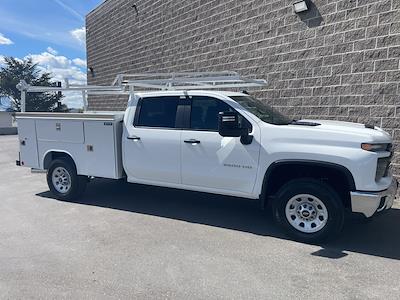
(55, 151)
(304, 162)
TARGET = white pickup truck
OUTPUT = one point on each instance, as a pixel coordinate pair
(220, 142)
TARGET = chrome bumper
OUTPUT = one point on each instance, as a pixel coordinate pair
(369, 203)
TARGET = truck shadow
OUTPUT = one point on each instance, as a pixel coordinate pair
(378, 237)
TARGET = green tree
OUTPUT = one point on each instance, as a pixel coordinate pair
(15, 70)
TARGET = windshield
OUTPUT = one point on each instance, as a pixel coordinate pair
(263, 111)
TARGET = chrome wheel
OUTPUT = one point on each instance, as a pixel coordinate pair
(306, 213)
(61, 180)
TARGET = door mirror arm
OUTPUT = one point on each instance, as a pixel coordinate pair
(246, 139)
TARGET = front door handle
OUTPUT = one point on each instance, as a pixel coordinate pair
(192, 141)
(133, 138)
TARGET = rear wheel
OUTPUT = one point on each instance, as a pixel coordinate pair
(309, 210)
(63, 180)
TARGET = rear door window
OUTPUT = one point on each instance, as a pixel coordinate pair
(158, 112)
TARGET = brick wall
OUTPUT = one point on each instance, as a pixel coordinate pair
(340, 60)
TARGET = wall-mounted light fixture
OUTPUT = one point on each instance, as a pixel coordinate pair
(91, 70)
(134, 6)
(300, 6)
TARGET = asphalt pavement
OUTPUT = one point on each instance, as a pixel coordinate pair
(127, 241)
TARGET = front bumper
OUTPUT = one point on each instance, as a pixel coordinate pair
(369, 203)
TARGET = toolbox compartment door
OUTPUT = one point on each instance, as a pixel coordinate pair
(100, 153)
(65, 131)
(28, 143)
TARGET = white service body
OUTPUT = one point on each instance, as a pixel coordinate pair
(92, 140)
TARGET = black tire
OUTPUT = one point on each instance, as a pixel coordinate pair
(77, 183)
(325, 194)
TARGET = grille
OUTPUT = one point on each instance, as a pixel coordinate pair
(382, 168)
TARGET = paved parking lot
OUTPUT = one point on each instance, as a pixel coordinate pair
(130, 241)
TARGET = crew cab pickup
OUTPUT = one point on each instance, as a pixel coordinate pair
(228, 143)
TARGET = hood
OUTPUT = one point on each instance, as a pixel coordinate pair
(366, 133)
(326, 132)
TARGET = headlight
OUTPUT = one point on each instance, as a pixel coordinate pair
(375, 147)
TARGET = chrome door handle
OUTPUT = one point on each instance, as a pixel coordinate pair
(192, 141)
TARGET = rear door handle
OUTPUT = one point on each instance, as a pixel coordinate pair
(192, 141)
(133, 138)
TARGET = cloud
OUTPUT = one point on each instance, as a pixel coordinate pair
(5, 41)
(50, 60)
(61, 68)
(70, 10)
(80, 62)
(52, 51)
(39, 31)
(79, 34)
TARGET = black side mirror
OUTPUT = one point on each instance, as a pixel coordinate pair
(229, 126)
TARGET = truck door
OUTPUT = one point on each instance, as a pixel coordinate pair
(212, 161)
(152, 143)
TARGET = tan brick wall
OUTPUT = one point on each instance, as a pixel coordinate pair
(338, 61)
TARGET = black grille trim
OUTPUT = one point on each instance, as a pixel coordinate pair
(383, 166)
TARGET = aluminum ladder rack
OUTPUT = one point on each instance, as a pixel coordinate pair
(187, 81)
(128, 84)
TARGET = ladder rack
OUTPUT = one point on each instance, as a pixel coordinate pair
(187, 81)
(128, 84)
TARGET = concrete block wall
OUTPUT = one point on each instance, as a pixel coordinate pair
(339, 60)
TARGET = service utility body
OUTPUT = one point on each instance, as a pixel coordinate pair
(186, 131)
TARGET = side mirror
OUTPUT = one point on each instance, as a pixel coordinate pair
(228, 126)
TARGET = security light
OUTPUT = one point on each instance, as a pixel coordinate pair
(91, 70)
(300, 6)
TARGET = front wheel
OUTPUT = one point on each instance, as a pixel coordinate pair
(63, 181)
(309, 210)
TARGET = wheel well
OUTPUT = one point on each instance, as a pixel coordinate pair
(338, 177)
(56, 155)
